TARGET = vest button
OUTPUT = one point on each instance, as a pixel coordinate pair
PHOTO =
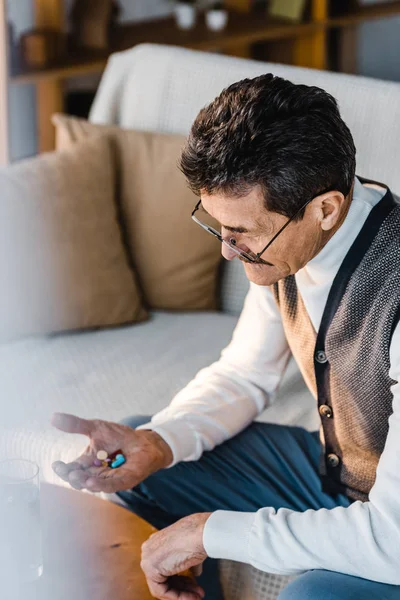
(325, 411)
(321, 357)
(332, 460)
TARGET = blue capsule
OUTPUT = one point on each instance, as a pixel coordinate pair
(119, 460)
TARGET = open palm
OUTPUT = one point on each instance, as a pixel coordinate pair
(142, 453)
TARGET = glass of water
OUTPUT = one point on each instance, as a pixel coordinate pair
(20, 531)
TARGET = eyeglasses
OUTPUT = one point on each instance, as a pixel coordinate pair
(251, 256)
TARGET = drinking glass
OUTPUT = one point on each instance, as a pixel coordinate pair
(20, 530)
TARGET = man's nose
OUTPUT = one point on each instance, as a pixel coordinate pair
(227, 253)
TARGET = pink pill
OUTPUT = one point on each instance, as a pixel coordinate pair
(97, 462)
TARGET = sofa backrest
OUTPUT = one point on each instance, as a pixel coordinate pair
(162, 88)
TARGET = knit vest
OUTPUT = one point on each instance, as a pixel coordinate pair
(346, 363)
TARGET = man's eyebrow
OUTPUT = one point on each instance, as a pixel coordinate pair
(238, 229)
(235, 229)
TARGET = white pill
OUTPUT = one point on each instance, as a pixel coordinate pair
(102, 455)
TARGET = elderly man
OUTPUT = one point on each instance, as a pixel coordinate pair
(274, 166)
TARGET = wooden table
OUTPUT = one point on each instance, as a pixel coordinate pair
(91, 549)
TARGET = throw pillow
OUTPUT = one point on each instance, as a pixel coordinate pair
(176, 261)
(62, 261)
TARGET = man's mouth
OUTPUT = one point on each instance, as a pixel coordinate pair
(258, 264)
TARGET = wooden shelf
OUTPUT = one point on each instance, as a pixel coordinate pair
(241, 29)
(76, 63)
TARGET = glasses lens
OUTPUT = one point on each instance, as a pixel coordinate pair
(248, 256)
(207, 219)
(209, 222)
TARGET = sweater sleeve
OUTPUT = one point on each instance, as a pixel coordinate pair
(226, 396)
(362, 540)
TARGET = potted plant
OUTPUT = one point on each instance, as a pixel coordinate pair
(216, 16)
(185, 13)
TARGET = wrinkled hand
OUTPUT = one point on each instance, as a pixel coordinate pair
(145, 452)
(173, 550)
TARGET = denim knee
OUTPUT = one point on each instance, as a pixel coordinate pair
(319, 584)
(305, 587)
(135, 420)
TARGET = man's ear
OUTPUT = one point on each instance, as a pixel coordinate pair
(331, 211)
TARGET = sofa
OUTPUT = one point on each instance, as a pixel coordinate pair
(137, 369)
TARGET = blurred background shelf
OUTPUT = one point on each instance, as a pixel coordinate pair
(325, 39)
(242, 29)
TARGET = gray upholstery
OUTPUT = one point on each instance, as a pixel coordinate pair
(108, 374)
(234, 286)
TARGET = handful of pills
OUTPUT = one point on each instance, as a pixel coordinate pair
(114, 460)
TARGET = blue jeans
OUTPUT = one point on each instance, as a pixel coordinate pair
(264, 465)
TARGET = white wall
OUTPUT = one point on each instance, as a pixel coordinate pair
(22, 98)
(139, 10)
(379, 49)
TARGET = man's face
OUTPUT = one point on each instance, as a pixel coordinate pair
(252, 226)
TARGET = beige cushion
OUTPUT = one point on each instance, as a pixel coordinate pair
(62, 262)
(177, 262)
